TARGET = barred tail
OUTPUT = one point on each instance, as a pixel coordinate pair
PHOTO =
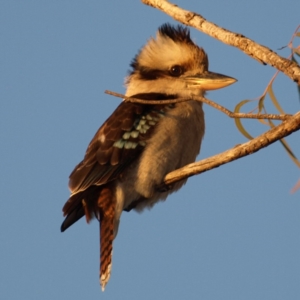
(106, 204)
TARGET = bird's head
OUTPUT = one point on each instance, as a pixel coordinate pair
(173, 64)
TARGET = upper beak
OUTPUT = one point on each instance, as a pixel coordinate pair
(208, 81)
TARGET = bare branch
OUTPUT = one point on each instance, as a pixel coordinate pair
(248, 46)
(288, 126)
(284, 129)
(206, 101)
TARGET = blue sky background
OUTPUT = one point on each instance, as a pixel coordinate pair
(231, 233)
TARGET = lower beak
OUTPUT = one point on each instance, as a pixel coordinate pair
(208, 81)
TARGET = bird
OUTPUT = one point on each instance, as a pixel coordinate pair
(129, 156)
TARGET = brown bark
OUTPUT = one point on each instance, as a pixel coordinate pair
(259, 52)
(284, 129)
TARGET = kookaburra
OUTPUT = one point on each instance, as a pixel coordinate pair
(139, 144)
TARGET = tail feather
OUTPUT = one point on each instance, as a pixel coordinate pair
(96, 201)
(78, 205)
(106, 205)
(72, 218)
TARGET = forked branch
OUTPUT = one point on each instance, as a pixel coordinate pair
(290, 124)
(284, 129)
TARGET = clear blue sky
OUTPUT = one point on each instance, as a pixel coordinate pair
(231, 233)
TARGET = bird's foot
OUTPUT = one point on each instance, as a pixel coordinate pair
(162, 188)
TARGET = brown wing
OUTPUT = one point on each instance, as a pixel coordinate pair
(116, 144)
(109, 150)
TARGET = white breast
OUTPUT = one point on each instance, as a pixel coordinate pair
(175, 143)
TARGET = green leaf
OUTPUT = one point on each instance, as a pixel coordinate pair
(238, 122)
(274, 100)
(261, 103)
(287, 148)
(298, 86)
(297, 52)
(261, 106)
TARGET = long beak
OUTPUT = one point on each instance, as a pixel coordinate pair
(208, 81)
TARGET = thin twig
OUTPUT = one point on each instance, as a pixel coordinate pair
(259, 52)
(282, 130)
(206, 101)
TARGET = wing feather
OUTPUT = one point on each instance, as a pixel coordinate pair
(118, 142)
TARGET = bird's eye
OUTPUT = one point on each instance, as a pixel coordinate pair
(176, 70)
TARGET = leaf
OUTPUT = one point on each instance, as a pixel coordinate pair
(274, 100)
(298, 86)
(282, 141)
(238, 122)
(287, 147)
(296, 187)
(298, 34)
(297, 52)
(290, 152)
(261, 106)
(281, 48)
(261, 103)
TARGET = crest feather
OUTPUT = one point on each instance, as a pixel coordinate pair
(178, 34)
(171, 45)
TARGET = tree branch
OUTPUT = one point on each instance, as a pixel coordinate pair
(248, 46)
(288, 126)
(206, 101)
(284, 129)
